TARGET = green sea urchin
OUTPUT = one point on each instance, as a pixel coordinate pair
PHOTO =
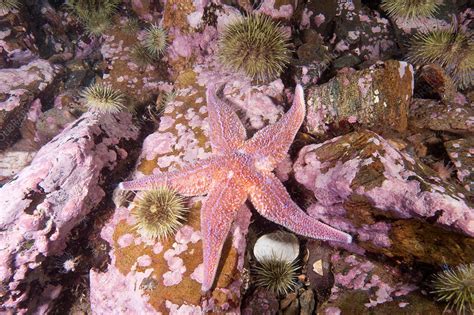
(95, 15)
(449, 48)
(255, 45)
(276, 275)
(6, 5)
(155, 40)
(103, 99)
(410, 9)
(140, 55)
(159, 213)
(456, 288)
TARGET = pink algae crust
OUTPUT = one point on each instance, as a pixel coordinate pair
(50, 197)
(335, 182)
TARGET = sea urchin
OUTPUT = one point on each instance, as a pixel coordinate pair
(6, 5)
(276, 275)
(103, 99)
(452, 49)
(255, 45)
(456, 288)
(410, 9)
(159, 213)
(155, 40)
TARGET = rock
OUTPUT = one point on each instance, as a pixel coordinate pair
(435, 115)
(346, 61)
(47, 199)
(377, 97)
(307, 302)
(461, 153)
(391, 203)
(363, 32)
(52, 122)
(174, 266)
(18, 88)
(262, 302)
(363, 286)
(277, 9)
(12, 162)
(290, 305)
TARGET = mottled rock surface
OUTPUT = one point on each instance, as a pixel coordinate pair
(461, 153)
(377, 97)
(389, 202)
(46, 200)
(18, 88)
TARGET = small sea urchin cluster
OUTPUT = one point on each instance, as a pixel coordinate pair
(6, 5)
(276, 275)
(101, 98)
(159, 213)
(95, 15)
(410, 9)
(452, 49)
(255, 45)
(456, 288)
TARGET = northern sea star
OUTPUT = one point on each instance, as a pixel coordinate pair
(239, 169)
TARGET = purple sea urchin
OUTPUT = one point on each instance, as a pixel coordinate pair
(103, 99)
(276, 275)
(155, 40)
(255, 45)
(159, 213)
(410, 9)
(449, 48)
(456, 288)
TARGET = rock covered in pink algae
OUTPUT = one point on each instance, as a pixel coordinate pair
(376, 97)
(461, 153)
(18, 88)
(42, 204)
(391, 203)
(363, 286)
(435, 115)
(168, 274)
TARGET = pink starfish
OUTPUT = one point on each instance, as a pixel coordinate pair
(240, 169)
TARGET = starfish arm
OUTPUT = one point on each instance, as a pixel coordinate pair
(217, 214)
(227, 132)
(274, 203)
(275, 140)
(191, 180)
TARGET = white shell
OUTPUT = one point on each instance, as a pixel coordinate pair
(281, 245)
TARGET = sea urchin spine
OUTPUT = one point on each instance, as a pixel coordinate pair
(452, 49)
(103, 99)
(255, 45)
(410, 9)
(155, 40)
(456, 288)
(159, 213)
(276, 275)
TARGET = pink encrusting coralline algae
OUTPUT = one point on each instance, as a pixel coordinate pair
(47, 199)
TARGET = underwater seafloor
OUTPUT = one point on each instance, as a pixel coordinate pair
(379, 148)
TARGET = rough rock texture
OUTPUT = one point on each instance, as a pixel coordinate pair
(168, 273)
(461, 153)
(389, 202)
(42, 204)
(362, 286)
(377, 97)
(354, 29)
(18, 88)
(434, 115)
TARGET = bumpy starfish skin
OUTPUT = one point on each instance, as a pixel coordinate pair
(240, 169)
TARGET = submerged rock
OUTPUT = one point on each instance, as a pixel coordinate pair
(389, 202)
(47, 199)
(377, 97)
